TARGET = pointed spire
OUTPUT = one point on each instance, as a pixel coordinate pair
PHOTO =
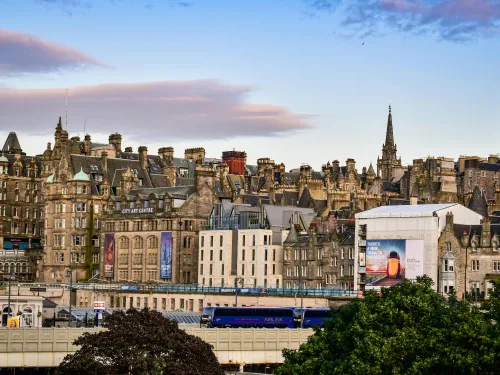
(389, 137)
(59, 124)
(371, 171)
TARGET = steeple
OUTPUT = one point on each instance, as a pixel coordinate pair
(389, 136)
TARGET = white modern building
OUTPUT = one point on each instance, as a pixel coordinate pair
(397, 242)
(244, 245)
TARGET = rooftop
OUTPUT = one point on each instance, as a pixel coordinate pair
(408, 210)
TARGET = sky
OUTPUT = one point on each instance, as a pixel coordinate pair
(298, 81)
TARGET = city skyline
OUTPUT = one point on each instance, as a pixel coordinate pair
(290, 80)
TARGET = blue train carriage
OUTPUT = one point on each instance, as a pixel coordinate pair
(251, 317)
(315, 317)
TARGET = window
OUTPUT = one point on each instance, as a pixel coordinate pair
(448, 265)
(243, 254)
(304, 270)
(201, 255)
(265, 255)
(202, 241)
(319, 271)
(95, 258)
(335, 261)
(243, 240)
(496, 266)
(220, 255)
(221, 240)
(296, 271)
(253, 240)
(211, 255)
(342, 270)
(475, 265)
(342, 253)
(242, 269)
(274, 269)
(265, 269)
(222, 270)
(201, 269)
(152, 242)
(253, 254)
(138, 243)
(274, 255)
(211, 241)
(124, 243)
(211, 268)
(253, 269)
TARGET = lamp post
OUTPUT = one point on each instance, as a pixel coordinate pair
(70, 276)
(11, 275)
(466, 253)
(238, 281)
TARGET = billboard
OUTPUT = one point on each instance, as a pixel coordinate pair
(166, 255)
(388, 262)
(109, 254)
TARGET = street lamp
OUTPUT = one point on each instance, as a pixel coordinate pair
(70, 276)
(11, 275)
(241, 282)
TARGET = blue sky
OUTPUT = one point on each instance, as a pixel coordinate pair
(289, 80)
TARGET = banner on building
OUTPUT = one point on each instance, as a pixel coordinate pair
(13, 322)
(388, 262)
(166, 255)
(109, 254)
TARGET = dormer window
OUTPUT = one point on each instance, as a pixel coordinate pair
(183, 172)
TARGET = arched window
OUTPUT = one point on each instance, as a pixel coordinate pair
(23, 269)
(138, 243)
(18, 267)
(5, 315)
(12, 267)
(152, 242)
(27, 317)
(124, 245)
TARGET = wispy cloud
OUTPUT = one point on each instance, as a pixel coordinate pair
(453, 20)
(203, 109)
(25, 53)
(70, 6)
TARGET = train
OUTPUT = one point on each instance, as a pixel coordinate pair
(263, 317)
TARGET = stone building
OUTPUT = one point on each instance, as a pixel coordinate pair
(83, 181)
(433, 180)
(155, 231)
(21, 209)
(320, 257)
(483, 173)
(469, 257)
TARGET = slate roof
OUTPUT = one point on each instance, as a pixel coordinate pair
(11, 143)
(478, 202)
(459, 229)
(305, 199)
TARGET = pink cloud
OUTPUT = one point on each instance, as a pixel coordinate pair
(25, 53)
(202, 109)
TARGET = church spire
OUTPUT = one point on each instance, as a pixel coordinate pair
(389, 136)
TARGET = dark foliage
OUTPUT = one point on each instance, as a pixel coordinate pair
(140, 343)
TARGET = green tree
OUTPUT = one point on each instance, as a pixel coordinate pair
(408, 329)
(139, 343)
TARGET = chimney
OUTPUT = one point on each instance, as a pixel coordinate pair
(449, 220)
(104, 160)
(486, 232)
(143, 156)
(166, 152)
(116, 141)
(86, 146)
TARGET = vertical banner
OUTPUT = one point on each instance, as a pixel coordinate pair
(166, 255)
(385, 263)
(109, 254)
(414, 259)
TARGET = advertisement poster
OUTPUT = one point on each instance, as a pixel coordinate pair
(109, 254)
(13, 322)
(166, 255)
(414, 259)
(385, 262)
(389, 262)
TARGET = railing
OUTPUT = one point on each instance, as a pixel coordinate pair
(222, 290)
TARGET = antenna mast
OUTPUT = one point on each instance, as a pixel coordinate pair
(66, 109)
(84, 127)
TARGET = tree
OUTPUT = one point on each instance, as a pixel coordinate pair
(408, 329)
(139, 343)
